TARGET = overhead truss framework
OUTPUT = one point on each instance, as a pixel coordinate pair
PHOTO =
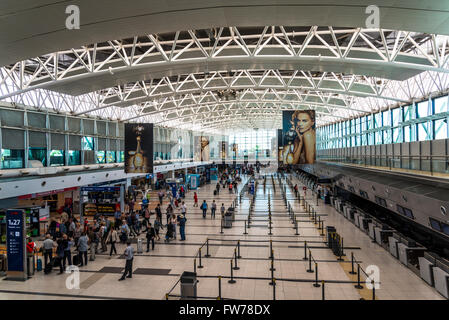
(340, 72)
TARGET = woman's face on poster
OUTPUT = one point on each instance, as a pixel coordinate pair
(303, 122)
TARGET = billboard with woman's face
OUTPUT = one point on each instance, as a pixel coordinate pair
(202, 148)
(299, 139)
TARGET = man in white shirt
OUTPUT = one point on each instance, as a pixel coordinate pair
(183, 208)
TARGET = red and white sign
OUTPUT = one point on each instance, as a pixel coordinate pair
(47, 193)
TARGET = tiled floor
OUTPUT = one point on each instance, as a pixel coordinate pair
(253, 277)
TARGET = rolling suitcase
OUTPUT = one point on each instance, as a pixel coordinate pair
(49, 267)
(76, 260)
(139, 246)
(39, 264)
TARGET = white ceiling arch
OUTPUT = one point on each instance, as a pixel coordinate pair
(31, 28)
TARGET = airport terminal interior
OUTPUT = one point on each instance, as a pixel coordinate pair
(204, 150)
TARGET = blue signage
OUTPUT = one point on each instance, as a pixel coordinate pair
(15, 239)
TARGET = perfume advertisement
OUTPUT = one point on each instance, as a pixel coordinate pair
(202, 148)
(138, 147)
(279, 146)
(223, 150)
(299, 138)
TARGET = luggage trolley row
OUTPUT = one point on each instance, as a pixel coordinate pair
(430, 267)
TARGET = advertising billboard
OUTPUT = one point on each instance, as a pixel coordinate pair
(202, 148)
(138, 147)
(299, 137)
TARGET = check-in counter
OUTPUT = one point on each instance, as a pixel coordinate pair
(441, 278)
(382, 235)
(393, 246)
(346, 209)
(409, 256)
(357, 219)
(426, 270)
(371, 231)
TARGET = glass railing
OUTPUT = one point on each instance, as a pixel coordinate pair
(423, 164)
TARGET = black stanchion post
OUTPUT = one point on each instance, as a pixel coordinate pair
(352, 264)
(305, 251)
(271, 250)
(274, 288)
(296, 228)
(221, 225)
(310, 270)
(232, 275)
(194, 265)
(236, 267)
(374, 290)
(219, 288)
(316, 284)
(200, 266)
(358, 286)
(207, 255)
(340, 249)
(245, 229)
(238, 250)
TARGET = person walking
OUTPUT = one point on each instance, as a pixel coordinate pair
(124, 231)
(183, 208)
(195, 199)
(150, 237)
(217, 187)
(129, 256)
(161, 196)
(204, 208)
(230, 187)
(168, 213)
(213, 208)
(159, 211)
(182, 226)
(112, 239)
(222, 210)
(62, 244)
(67, 251)
(118, 220)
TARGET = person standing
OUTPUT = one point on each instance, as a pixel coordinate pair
(182, 225)
(213, 208)
(129, 256)
(83, 244)
(230, 187)
(118, 220)
(168, 212)
(217, 187)
(48, 246)
(195, 199)
(183, 208)
(150, 237)
(112, 239)
(68, 251)
(204, 208)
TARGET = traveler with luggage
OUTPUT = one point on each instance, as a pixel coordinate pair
(129, 256)
(150, 237)
(204, 208)
(169, 233)
(47, 248)
(112, 239)
(213, 208)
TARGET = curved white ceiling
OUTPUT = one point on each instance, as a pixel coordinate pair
(31, 28)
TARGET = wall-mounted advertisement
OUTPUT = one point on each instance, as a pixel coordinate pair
(202, 148)
(223, 150)
(299, 138)
(280, 146)
(138, 147)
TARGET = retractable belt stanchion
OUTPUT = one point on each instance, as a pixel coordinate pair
(305, 251)
(245, 229)
(274, 289)
(352, 264)
(322, 290)
(221, 225)
(232, 275)
(238, 250)
(236, 267)
(271, 250)
(316, 284)
(358, 285)
(219, 288)
(374, 290)
(200, 266)
(310, 270)
(207, 255)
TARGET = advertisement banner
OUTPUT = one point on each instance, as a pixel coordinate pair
(202, 148)
(223, 150)
(299, 138)
(138, 147)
